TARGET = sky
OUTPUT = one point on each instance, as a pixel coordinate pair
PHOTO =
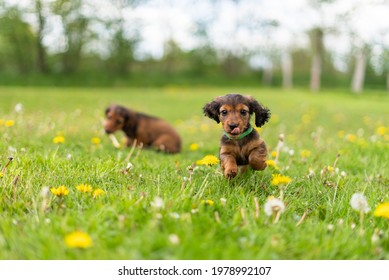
(233, 25)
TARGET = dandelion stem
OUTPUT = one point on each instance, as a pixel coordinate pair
(139, 150)
(15, 182)
(361, 214)
(10, 159)
(256, 207)
(131, 151)
(217, 217)
(302, 218)
(278, 215)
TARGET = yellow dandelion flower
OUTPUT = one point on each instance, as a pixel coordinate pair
(1, 122)
(258, 129)
(273, 154)
(208, 160)
(381, 130)
(306, 118)
(58, 139)
(341, 133)
(278, 179)
(9, 123)
(194, 147)
(382, 210)
(84, 188)
(60, 191)
(78, 239)
(208, 202)
(1, 175)
(98, 192)
(96, 140)
(330, 168)
(305, 153)
(351, 137)
(272, 163)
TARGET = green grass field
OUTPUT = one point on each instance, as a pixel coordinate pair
(158, 210)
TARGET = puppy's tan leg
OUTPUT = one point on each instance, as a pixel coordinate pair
(229, 166)
(257, 157)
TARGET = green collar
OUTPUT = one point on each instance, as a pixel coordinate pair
(243, 135)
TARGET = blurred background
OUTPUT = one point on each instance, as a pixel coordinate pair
(296, 43)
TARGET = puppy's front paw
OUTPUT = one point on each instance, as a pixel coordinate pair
(230, 173)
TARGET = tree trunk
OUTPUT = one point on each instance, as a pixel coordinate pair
(267, 77)
(287, 72)
(316, 36)
(315, 73)
(41, 54)
(359, 72)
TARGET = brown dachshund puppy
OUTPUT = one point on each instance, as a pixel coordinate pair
(240, 144)
(147, 130)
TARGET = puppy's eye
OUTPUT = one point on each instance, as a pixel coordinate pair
(243, 112)
(224, 112)
(119, 122)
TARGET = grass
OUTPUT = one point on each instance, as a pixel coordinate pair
(153, 211)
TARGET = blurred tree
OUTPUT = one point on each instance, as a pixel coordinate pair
(41, 51)
(16, 39)
(316, 36)
(76, 32)
(358, 78)
(124, 39)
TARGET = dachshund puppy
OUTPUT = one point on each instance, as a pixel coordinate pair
(240, 145)
(147, 130)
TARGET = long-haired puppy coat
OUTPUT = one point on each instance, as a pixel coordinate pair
(240, 144)
(147, 130)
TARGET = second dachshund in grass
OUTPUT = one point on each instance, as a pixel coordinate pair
(240, 146)
(147, 130)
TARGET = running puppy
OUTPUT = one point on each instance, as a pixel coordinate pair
(147, 130)
(240, 145)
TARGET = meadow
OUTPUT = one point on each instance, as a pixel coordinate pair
(140, 204)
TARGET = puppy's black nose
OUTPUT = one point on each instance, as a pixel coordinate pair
(232, 126)
(108, 131)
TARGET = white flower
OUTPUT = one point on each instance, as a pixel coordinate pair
(223, 201)
(359, 202)
(291, 153)
(129, 166)
(69, 156)
(157, 203)
(273, 206)
(174, 239)
(19, 108)
(343, 174)
(175, 215)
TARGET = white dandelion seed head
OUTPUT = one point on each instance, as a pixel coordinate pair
(157, 203)
(129, 166)
(359, 203)
(273, 206)
(343, 174)
(19, 108)
(12, 150)
(223, 201)
(69, 156)
(291, 153)
(45, 191)
(175, 215)
(174, 239)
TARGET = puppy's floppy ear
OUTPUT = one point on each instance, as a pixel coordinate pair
(211, 110)
(262, 114)
(107, 110)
